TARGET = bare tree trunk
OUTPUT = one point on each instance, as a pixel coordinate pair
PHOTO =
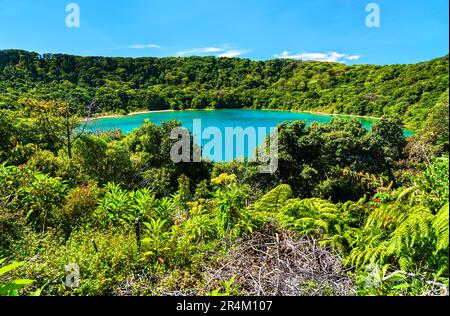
(69, 139)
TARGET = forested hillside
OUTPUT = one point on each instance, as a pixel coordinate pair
(122, 85)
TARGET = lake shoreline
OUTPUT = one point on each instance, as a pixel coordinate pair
(303, 115)
(141, 112)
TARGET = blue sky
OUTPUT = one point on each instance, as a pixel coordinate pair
(331, 30)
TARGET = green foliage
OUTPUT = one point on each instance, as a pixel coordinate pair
(104, 258)
(11, 289)
(202, 190)
(409, 231)
(121, 207)
(404, 229)
(332, 160)
(41, 198)
(20, 138)
(441, 228)
(157, 237)
(103, 159)
(228, 289)
(378, 281)
(387, 142)
(436, 126)
(274, 200)
(81, 203)
(230, 198)
(38, 197)
(434, 183)
(183, 194)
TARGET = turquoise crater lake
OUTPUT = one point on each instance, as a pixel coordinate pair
(220, 119)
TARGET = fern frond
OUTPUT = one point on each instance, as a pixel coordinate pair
(274, 200)
(407, 195)
(415, 227)
(441, 228)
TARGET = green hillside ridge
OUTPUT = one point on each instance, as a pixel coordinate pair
(122, 85)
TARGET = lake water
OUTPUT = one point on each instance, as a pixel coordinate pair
(220, 120)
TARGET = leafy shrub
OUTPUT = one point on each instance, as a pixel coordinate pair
(11, 288)
(104, 259)
(80, 204)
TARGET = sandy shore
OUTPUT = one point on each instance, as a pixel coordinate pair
(281, 110)
(348, 115)
(129, 114)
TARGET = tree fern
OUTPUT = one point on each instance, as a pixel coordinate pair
(274, 200)
(414, 228)
(407, 195)
(441, 228)
(370, 248)
(386, 216)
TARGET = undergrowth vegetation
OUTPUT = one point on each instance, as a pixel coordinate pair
(135, 241)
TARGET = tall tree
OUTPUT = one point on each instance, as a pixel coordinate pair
(386, 143)
(60, 120)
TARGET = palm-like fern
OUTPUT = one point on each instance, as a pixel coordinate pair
(274, 200)
(312, 215)
(318, 217)
(441, 228)
(405, 232)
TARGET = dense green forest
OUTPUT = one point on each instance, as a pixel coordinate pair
(349, 211)
(122, 85)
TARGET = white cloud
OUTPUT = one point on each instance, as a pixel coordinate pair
(353, 57)
(203, 50)
(325, 57)
(233, 53)
(142, 46)
(219, 51)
